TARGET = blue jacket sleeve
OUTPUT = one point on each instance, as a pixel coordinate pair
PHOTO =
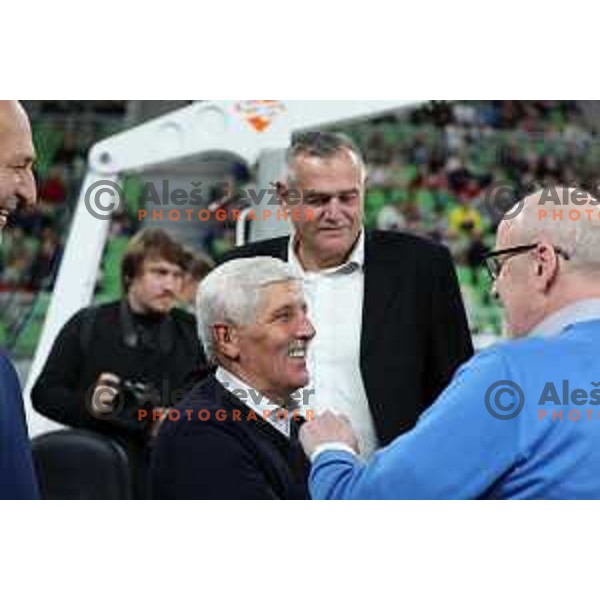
(456, 450)
(17, 475)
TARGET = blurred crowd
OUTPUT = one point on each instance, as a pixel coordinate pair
(434, 172)
(430, 173)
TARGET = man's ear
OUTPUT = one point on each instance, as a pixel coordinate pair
(547, 265)
(226, 340)
(282, 193)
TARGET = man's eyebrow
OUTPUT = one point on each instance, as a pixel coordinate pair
(313, 193)
(283, 307)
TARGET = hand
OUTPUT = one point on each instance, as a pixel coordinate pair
(156, 425)
(105, 393)
(327, 428)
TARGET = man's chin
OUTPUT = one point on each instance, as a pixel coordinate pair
(334, 247)
(162, 308)
(298, 381)
(303, 381)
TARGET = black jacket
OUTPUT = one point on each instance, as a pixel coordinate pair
(95, 340)
(225, 456)
(414, 329)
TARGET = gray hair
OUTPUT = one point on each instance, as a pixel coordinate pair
(320, 144)
(579, 237)
(232, 294)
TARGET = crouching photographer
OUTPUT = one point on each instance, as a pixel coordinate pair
(110, 360)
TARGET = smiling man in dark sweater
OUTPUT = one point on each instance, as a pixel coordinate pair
(235, 434)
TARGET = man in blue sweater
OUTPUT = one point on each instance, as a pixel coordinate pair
(17, 186)
(522, 419)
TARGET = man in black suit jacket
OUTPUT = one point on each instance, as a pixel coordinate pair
(234, 436)
(412, 330)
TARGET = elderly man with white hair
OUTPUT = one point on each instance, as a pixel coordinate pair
(235, 435)
(522, 419)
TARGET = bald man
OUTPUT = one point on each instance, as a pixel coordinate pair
(520, 420)
(17, 187)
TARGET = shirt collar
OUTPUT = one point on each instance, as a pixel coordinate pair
(577, 312)
(232, 383)
(355, 261)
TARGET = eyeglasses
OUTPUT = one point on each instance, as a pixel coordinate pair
(495, 261)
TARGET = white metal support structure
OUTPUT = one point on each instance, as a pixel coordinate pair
(196, 129)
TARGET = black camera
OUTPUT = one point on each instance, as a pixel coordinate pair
(140, 394)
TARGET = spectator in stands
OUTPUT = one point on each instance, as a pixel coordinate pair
(254, 326)
(17, 257)
(474, 256)
(110, 360)
(464, 218)
(198, 266)
(390, 218)
(16, 267)
(53, 190)
(45, 264)
(17, 186)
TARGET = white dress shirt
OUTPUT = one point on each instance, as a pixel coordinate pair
(335, 303)
(248, 396)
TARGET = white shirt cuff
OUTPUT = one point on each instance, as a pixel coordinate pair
(327, 446)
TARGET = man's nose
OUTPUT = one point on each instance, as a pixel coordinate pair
(170, 283)
(26, 189)
(333, 209)
(307, 330)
